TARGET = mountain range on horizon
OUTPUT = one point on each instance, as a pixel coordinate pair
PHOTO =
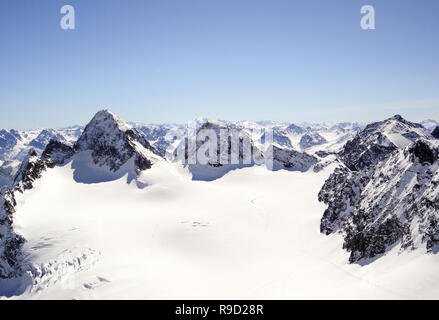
(379, 184)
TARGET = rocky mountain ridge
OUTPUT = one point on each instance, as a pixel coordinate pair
(385, 191)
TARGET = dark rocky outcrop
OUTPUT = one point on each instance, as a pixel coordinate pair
(57, 153)
(372, 144)
(423, 152)
(113, 142)
(10, 242)
(376, 200)
(311, 139)
(30, 170)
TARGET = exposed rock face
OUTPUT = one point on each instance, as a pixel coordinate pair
(30, 170)
(232, 142)
(386, 198)
(294, 129)
(234, 148)
(435, 132)
(113, 142)
(424, 152)
(383, 205)
(341, 192)
(292, 160)
(10, 242)
(7, 173)
(281, 139)
(15, 146)
(377, 140)
(311, 139)
(57, 153)
(283, 158)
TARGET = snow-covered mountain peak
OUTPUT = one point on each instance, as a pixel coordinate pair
(292, 128)
(113, 142)
(104, 128)
(106, 125)
(388, 191)
(392, 202)
(213, 124)
(379, 139)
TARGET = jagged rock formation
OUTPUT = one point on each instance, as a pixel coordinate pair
(385, 194)
(234, 147)
(379, 139)
(235, 143)
(7, 172)
(10, 242)
(232, 142)
(292, 160)
(57, 153)
(311, 139)
(113, 142)
(45, 136)
(435, 132)
(280, 138)
(15, 145)
(30, 170)
(292, 128)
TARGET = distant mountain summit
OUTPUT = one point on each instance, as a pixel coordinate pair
(311, 139)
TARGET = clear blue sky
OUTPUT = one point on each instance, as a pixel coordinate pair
(159, 61)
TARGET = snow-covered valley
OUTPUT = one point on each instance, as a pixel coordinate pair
(254, 234)
(108, 218)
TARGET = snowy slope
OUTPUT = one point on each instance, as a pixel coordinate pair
(107, 217)
(177, 239)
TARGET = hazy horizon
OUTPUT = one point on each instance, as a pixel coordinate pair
(172, 61)
(139, 122)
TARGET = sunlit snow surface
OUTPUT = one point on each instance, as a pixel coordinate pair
(252, 234)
